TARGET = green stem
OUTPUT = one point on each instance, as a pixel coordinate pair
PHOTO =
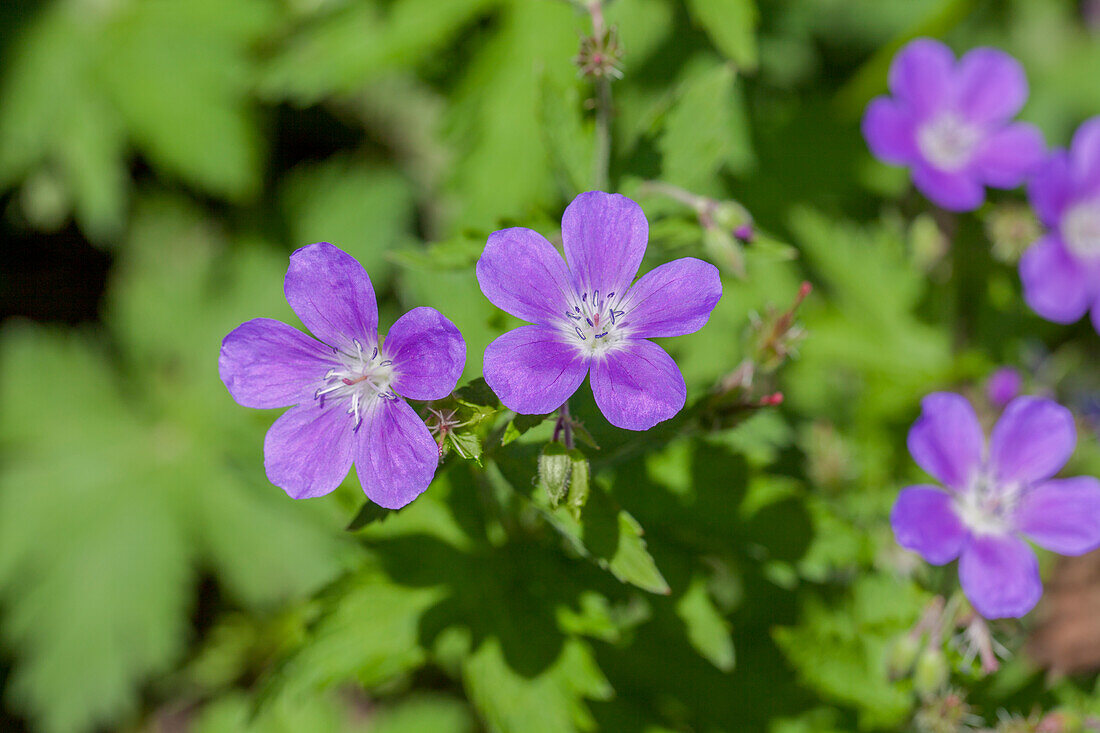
(602, 155)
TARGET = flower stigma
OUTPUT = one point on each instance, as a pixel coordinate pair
(987, 505)
(1081, 229)
(595, 322)
(948, 141)
(358, 378)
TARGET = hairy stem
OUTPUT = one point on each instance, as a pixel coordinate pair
(602, 157)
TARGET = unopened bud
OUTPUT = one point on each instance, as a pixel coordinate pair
(901, 656)
(931, 673)
(731, 216)
(555, 471)
(744, 233)
(724, 250)
(1012, 228)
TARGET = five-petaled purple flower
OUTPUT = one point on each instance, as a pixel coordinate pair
(587, 317)
(1061, 272)
(996, 495)
(347, 392)
(949, 122)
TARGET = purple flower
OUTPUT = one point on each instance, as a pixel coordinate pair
(1003, 385)
(1061, 272)
(588, 318)
(996, 495)
(949, 122)
(347, 387)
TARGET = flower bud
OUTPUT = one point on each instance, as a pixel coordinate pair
(901, 656)
(931, 673)
(555, 471)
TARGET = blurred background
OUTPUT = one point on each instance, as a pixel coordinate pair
(160, 159)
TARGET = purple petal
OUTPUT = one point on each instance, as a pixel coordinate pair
(331, 293)
(890, 131)
(1000, 576)
(990, 85)
(427, 352)
(673, 299)
(1062, 515)
(605, 237)
(947, 440)
(308, 450)
(954, 191)
(1032, 440)
(521, 273)
(533, 369)
(1085, 155)
(924, 522)
(1055, 284)
(1094, 315)
(266, 363)
(920, 74)
(638, 386)
(395, 454)
(1051, 188)
(1008, 156)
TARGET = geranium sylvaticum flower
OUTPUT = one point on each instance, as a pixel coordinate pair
(587, 317)
(346, 389)
(949, 122)
(995, 495)
(1061, 272)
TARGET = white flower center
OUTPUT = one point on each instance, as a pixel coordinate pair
(948, 141)
(358, 378)
(987, 506)
(594, 322)
(1081, 229)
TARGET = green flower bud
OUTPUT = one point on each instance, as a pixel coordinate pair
(931, 673)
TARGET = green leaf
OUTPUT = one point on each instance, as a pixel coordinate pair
(612, 538)
(364, 210)
(550, 702)
(706, 129)
(840, 651)
(459, 253)
(731, 26)
(519, 425)
(707, 630)
(368, 630)
(569, 140)
(466, 444)
(201, 126)
(342, 49)
(503, 168)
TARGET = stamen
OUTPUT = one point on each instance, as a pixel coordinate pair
(375, 354)
(572, 315)
(578, 330)
(589, 322)
(596, 298)
(601, 335)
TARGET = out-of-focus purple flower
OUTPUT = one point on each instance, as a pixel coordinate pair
(1061, 271)
(1003, 385)
(587, 317)
(996, 495)
(346, 389)
(950, 122)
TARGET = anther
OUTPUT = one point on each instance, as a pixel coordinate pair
(578, 330)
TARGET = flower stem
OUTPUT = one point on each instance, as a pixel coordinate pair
(602, 157)
(564, 428)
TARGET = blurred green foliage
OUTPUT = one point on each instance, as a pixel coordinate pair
(731, 570)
